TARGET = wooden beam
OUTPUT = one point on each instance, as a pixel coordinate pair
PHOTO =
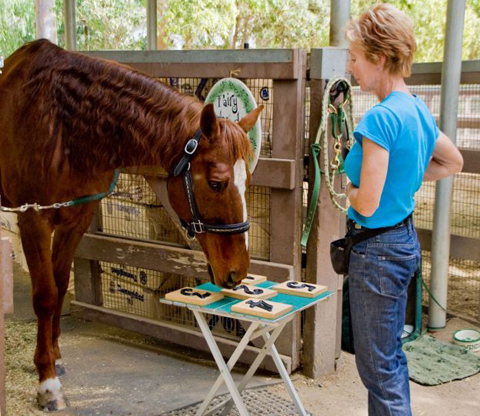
(431, 73)
(252, 63)
(275, 173)
(286, 205)
(471, 160)
(169, 332)
(460, 247)
(162, 258)
(322, 323)
(270, 172)
(6, 305)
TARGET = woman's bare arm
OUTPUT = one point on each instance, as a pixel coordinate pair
(366, 199)
(446, 160)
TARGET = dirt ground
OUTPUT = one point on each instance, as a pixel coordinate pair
(343, 393)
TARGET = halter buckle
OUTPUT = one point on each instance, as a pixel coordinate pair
(191, 147)
(198, 227)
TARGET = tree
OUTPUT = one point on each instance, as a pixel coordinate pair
(17, 24)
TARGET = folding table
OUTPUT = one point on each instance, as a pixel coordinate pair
(268, 329)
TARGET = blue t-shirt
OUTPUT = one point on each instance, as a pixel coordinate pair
(404, 126)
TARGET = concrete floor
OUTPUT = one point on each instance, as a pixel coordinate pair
(115, 372)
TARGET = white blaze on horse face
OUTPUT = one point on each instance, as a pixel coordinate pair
(240, 180)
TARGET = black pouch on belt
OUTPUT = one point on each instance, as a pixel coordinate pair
(340, 249)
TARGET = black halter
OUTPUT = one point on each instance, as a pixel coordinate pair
(197, 226)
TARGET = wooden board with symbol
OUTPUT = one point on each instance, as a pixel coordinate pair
(253, 279)
(194, 296)
(262, 308)
(247, 291)
(292, 287)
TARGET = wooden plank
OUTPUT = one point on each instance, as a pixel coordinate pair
(171, 333)
(88, 285)
(471, 160)
(431, 73)
(460, 247)
(162, 258)
(285, 205)
(275, 173)
(269, 172)
(6, 274)
(254, 63)
(321, 339)
(3, 391)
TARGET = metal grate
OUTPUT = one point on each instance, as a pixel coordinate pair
(257, 401)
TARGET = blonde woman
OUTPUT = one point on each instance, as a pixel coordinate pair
(398, 145)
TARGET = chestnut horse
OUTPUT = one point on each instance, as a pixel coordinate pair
(67, 121)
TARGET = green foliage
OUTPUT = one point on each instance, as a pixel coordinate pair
(187, 24)
(17, 24)
(429, 18)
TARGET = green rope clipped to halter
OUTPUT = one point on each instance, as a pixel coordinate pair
(340, 119)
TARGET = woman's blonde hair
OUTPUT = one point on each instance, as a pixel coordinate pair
(383, 30)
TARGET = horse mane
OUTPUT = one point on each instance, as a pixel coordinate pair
(105, 114)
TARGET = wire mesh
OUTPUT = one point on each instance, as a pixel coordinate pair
(463, 285)
(138, 291)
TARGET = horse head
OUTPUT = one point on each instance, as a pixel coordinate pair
(208, 193)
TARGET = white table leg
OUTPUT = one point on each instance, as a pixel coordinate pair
(286, 379)
(256, 363)
(231, 363)
(222, 366)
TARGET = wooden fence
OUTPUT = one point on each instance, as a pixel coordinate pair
(282, 173)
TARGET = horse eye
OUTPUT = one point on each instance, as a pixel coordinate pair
(216, 186)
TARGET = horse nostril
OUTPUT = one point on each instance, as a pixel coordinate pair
(231, 280)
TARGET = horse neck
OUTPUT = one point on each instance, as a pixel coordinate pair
(110, 116)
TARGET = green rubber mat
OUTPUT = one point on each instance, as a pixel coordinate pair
(432, 362)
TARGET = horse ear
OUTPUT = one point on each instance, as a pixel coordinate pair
(247, 122)
(208, 121)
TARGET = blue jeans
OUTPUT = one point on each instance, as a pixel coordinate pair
(380, 271)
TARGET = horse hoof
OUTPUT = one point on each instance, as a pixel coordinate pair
(50, 396)
(60, 370)
(56, 405)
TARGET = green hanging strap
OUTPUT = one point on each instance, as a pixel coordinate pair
(96, 197)
(315, 194)
(339, 120)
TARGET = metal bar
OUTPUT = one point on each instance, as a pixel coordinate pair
(269, 345)
(70, 25)
(231, 363)
(222, 366)
(451, 71)
(286, 379)
(46, 22)
(152, 24)
(339, 15)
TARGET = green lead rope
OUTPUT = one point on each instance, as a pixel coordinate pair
(96, 197)
(339, 120)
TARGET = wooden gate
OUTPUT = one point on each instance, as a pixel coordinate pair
(109, 265)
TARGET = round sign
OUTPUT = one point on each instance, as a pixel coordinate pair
(232, 99)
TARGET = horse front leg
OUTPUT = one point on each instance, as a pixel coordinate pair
(65, 242)
(36, 233)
